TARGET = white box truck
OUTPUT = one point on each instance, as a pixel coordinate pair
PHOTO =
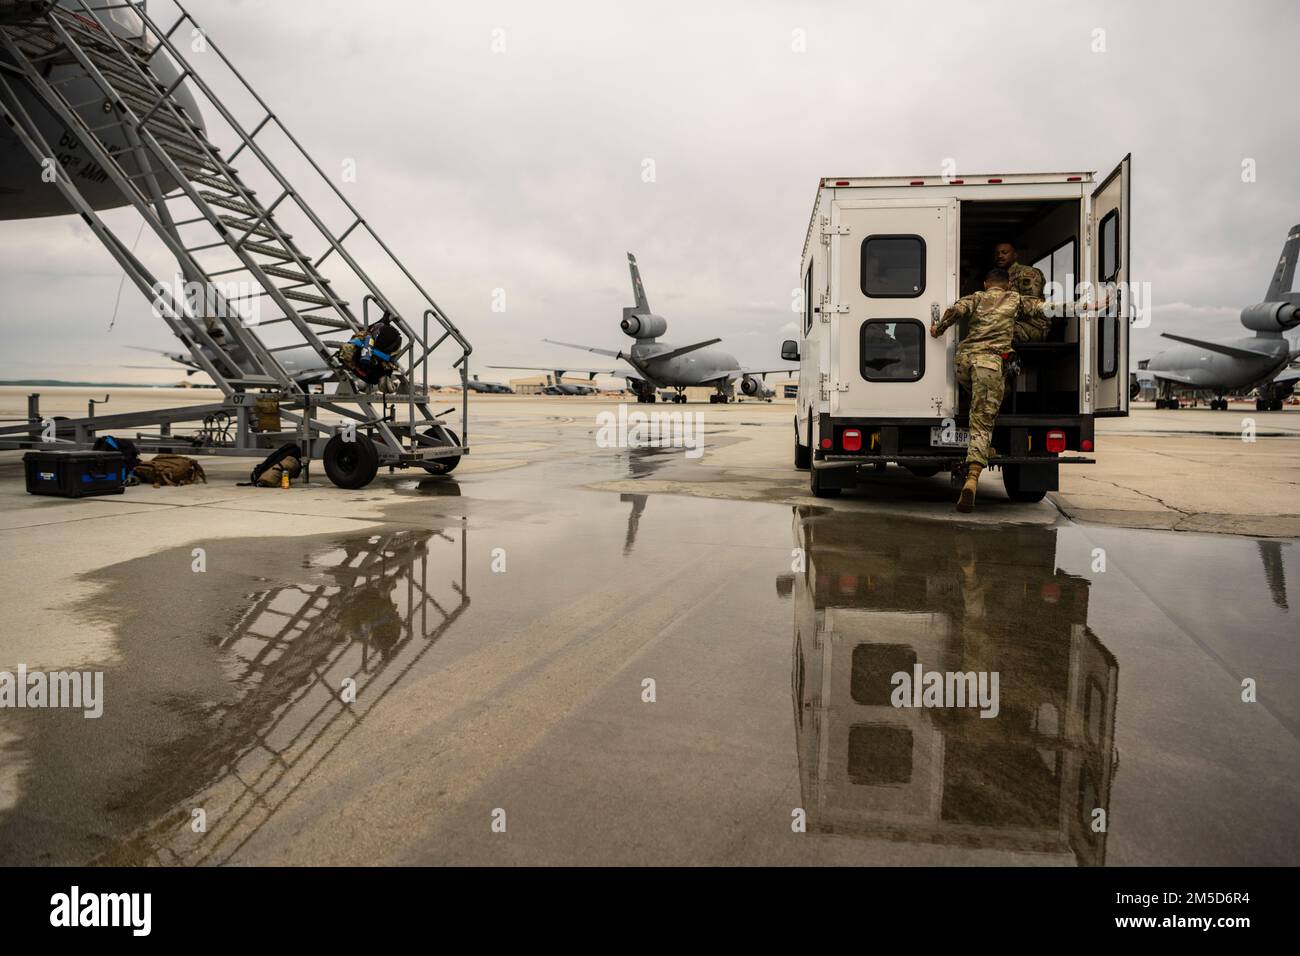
(884, 256)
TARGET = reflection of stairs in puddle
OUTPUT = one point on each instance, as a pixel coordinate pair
(372, 621)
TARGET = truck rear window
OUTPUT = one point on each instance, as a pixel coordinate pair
(893, 350)
(893, 267)
(1110, 264)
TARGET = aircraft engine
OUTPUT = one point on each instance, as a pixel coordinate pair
(751, 385)
(644, 326)
(640, 387)
(1271, 316)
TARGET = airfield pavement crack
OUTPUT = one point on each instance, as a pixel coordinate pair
(1149, 497)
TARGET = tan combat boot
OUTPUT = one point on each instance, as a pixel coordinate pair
(966, 500)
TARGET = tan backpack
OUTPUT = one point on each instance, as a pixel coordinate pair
(170, 470)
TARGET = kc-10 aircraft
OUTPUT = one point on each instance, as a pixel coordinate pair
(1237, 366)
(24, 194)
(656, 364)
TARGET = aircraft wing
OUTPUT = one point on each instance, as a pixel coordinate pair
(1171, 376)
(554, 370)
(180, 358)
(1287, 375)
(314, 376)
(674, 353)
(1213, 346)
(587, 348)
(762, 373)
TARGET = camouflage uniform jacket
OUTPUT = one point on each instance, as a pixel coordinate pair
(998, 317)
(1027, 280)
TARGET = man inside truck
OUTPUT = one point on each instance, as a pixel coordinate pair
(998, 316)
(1025, 280)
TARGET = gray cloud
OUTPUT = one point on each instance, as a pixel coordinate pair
(521, 170)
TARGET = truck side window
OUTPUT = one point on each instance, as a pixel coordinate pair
(893, 267)
(807, 300)
(1110, 264)
(1108, 332)
(893, 350)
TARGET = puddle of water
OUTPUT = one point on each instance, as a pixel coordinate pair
(772, 637)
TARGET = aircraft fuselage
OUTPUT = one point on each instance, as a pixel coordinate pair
(701, 367)
(26, 189)
(1194, 367)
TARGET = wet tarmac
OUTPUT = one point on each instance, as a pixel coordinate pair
(510, 667)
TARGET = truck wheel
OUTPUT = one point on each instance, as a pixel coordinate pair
(442, 466)
(819, 486)
(351, 464)
(802, 453)
(1011, 482)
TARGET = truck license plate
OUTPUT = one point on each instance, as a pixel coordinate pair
(941, 437)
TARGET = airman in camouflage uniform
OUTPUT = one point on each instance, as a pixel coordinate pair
(997, 317)
(1025, 280)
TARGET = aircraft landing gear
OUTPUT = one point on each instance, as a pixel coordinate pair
(1218, 404)
(1167, 403)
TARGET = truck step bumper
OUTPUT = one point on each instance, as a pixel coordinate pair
(852, 461)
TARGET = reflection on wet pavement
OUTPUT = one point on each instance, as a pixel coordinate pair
(1271, 553)
(869, 604)
(1121, 736)
(311, 661)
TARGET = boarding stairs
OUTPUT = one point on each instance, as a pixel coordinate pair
(221, 216)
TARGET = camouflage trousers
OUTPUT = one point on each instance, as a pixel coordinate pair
(980, 373)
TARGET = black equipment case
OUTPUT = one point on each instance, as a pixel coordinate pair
(75, 474)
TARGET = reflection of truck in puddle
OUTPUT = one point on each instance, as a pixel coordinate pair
(874, 600)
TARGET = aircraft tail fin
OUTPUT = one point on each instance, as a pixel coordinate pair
(1280, 287)
(642, 305)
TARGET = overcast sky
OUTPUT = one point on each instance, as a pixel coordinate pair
(521, 169)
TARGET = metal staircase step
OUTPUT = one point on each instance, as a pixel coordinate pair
(218, 183)
(308, 297)
(126, 80)
(142, 106)
(264, 249)
(87, 36)
(293, 274)
(325, 321)
(252, 380)
(311, 318)
(180, 150)
(247, 225)
(216, 199)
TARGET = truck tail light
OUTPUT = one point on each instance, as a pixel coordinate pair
(852, 439)
(1056, 441)
(1087, 444)
(826, 443)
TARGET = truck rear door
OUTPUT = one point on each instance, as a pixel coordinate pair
(1108, 333)
(894, 268)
